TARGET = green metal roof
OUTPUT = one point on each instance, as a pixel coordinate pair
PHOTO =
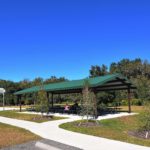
(73, 85)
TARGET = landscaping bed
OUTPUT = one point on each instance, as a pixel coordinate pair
(29, 117)
(140, 134)
(10, 135)
(117, 129)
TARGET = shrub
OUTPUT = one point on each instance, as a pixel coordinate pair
(145, 119)
(136, 102)
(42, 103)
(89, 105)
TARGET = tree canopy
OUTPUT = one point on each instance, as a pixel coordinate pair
(137, 70)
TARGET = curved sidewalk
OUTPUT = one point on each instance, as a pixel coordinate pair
(50, 130)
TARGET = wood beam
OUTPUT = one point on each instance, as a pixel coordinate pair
(124, 81)
(112, 83)
(111, 88)
(114, 88)
(68, 91)
(115, 85)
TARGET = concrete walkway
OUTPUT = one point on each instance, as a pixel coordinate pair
(50, 130)
(8, 108)
(43, 144)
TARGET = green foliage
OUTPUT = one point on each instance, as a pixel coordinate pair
(143, 87)
(89, 104)
(145, 118)
(98, 70)
(12, 87)
(131, 68)
(135, 102)
(37, 81)
(102, 106)
(42, 104)
(105, 98)
(137, 71)
(54, 79)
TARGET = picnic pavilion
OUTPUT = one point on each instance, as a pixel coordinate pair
(111, 82)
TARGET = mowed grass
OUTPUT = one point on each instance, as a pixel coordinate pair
(10, 135)
(27, 117)
(116, 129)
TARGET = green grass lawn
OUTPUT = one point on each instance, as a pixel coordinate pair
(116, 129)
(28, 117)
(10, 135)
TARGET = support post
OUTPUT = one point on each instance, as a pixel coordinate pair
(52, 100)
(3, 101)
(95, 104)
(19, 98)
(35, 98)
(48, 102)
(129, 99)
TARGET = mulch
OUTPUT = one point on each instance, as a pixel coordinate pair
(87, 124)
(38, 118)
(140, 134)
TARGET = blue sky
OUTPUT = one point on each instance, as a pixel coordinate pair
(65, 37)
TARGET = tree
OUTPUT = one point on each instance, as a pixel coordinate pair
(145, 120)
(138, 71)
(37, 81)
(98, 70)
(54, 79)
(26, 83)
(143, 88)
(89, 104)
(105, 98)
(42, 103)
